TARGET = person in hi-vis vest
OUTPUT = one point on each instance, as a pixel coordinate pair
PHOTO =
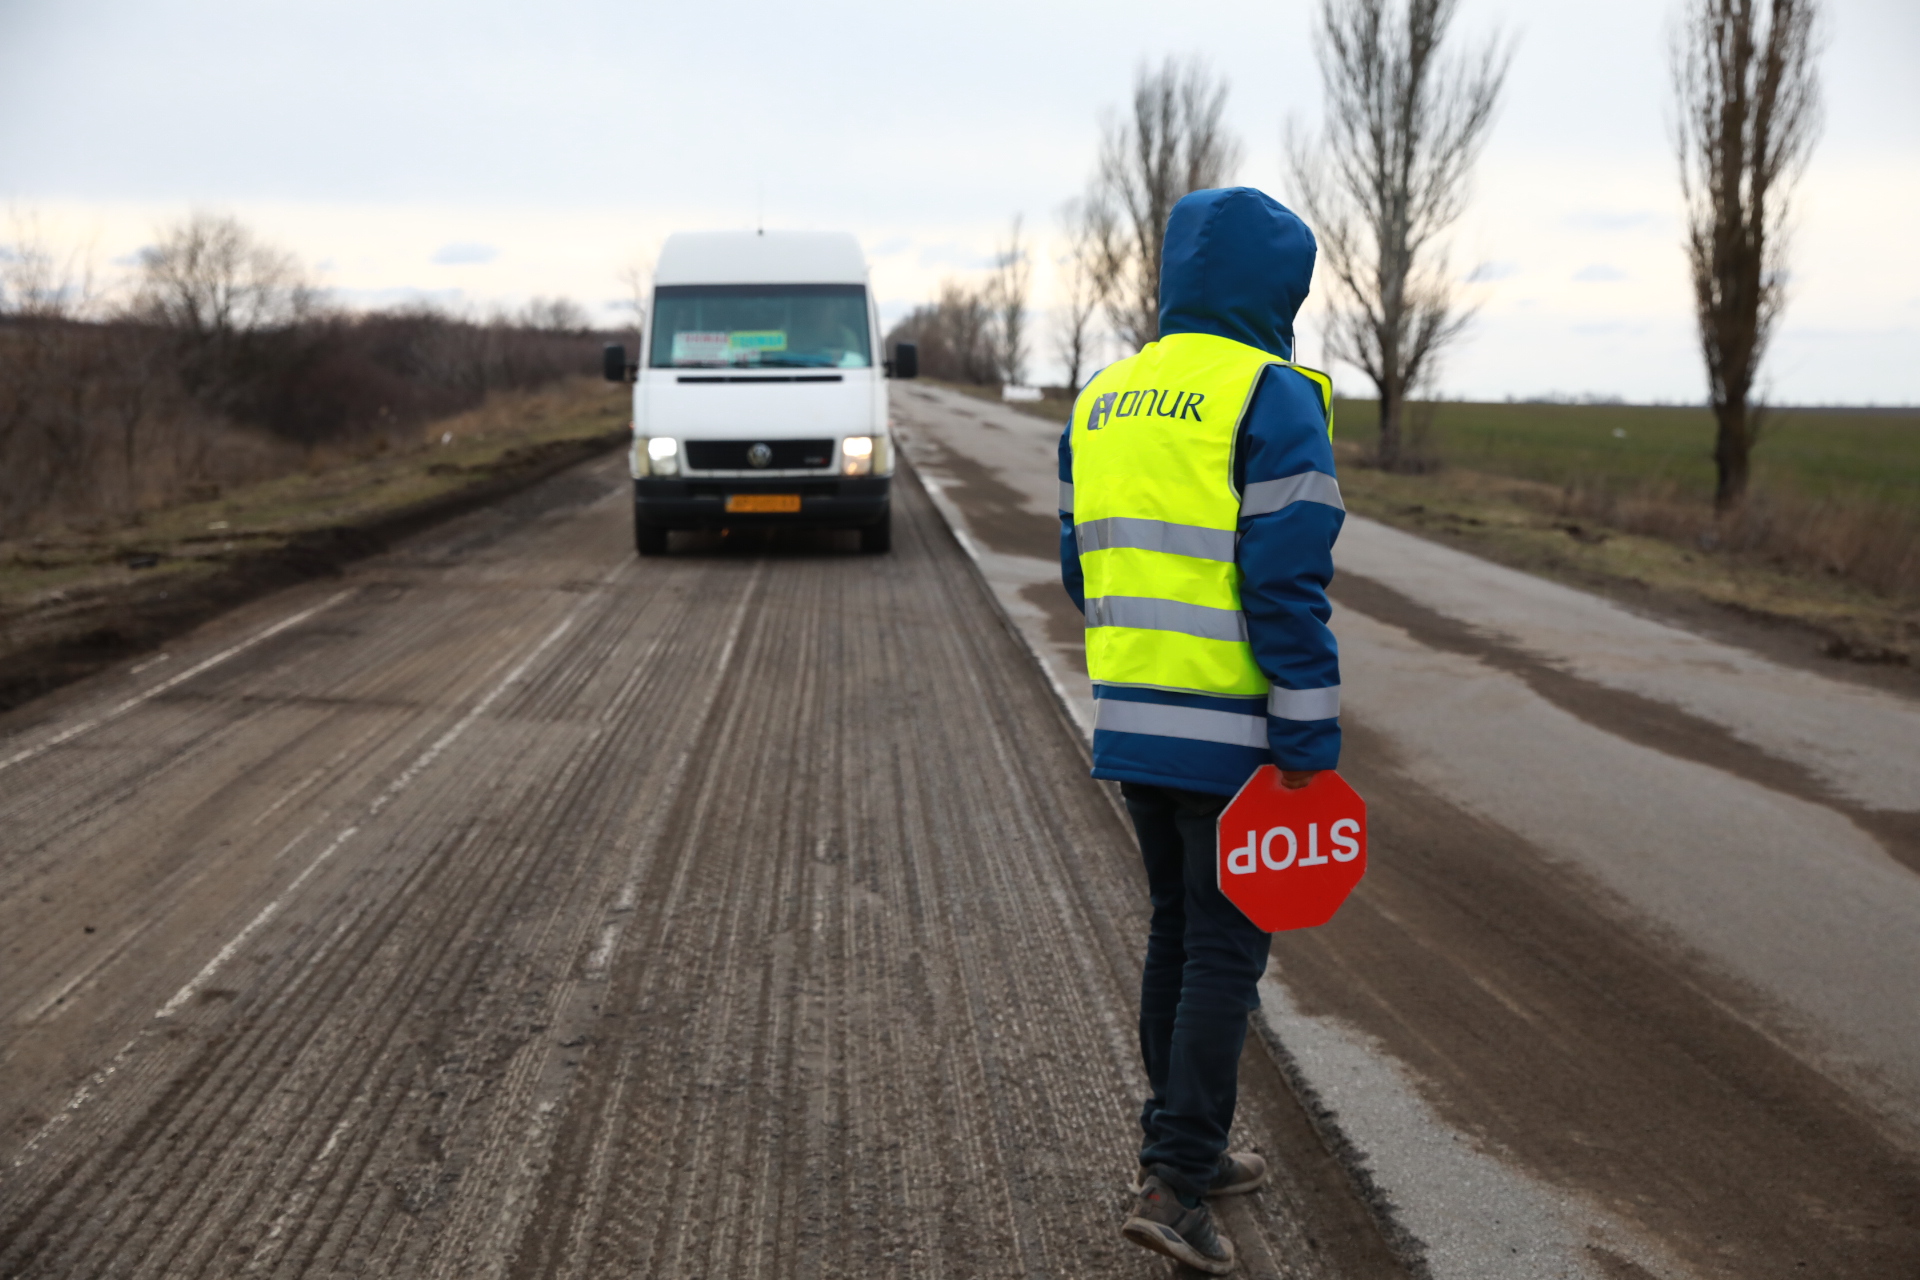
(1198, 512)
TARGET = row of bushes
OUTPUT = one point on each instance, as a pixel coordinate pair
(1875, 543)
(107, 417)
(222, 367)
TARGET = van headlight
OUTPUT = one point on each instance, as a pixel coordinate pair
(856, 456)
(663, 456)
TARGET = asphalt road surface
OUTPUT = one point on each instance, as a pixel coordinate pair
(516, 907)
(1633, 984)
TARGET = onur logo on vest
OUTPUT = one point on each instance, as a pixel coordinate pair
(1132, 404)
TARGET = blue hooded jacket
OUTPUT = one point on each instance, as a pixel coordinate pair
(1237, 264)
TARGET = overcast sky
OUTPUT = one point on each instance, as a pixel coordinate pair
(486, 152)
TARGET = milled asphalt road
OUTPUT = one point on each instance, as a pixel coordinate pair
(1630, 987)
(516, 907)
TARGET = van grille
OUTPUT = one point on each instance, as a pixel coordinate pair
(731, 455)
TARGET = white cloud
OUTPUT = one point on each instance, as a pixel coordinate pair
(1604, 220)
(462, 253)
(399, 296)
(954, 255)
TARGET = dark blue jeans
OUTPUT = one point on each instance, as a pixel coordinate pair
(1204, 961)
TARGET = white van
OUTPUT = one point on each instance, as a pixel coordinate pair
(758, 398)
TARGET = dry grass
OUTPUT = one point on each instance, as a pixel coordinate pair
(1649, 550)
(103, 418)
(337, 488)
(1864, 540)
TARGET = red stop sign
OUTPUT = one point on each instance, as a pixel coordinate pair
(1288, 859)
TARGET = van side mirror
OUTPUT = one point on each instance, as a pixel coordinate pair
(613, 362)
(906, 360)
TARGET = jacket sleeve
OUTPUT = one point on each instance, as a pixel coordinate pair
(1070, 575)
(1291, 514)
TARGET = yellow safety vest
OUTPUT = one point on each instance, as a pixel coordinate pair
(1156, 514)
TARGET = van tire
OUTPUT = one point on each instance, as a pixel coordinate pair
(877, 538)
(649, 539)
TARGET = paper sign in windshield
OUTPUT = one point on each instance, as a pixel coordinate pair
(726, 348)
(700, 348)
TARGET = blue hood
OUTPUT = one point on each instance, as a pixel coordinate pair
(1236, 264)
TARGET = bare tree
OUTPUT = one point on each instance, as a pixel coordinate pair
(1403, 126)
(954, 333)
(968, 320)
(555, 315)
(50, 365)
(636, 279)
(1079, 293)
(1748, 99)
(1006, 296)
(36, 283)
(222, 294)
(1171, 144)
(211, 277)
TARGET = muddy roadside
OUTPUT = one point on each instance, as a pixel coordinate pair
(76, 600)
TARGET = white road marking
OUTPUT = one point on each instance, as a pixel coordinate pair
(87, 1091)
(601, 957)
(386, 797)
(61, 992)
(352, 748)
(147, 695)
(268, 912)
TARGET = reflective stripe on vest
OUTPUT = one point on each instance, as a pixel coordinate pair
(1264, 496)
(1156, 518)
(1155, 535)
(1304, 704)
(1145, 613)
(1198, 723)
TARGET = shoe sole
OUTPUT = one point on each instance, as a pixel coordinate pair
(1170, 1243)
(1240, 1189)
(1137, 1186)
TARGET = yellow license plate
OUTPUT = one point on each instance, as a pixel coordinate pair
(765, 502)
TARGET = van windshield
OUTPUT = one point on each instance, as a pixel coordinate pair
(812, 326)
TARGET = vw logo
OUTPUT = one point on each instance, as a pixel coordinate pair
(759, 455)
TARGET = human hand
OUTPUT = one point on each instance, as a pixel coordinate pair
(1294, 779)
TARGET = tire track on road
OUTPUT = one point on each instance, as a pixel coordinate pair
(856, 962)
(566, 1004)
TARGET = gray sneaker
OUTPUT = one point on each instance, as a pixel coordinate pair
(1240, 1172)
(1161, 1223)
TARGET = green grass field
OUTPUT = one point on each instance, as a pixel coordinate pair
(1867, 454)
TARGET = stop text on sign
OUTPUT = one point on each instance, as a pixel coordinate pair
(1287, 858)
(1342, 836)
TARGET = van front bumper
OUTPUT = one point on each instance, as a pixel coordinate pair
(832, 502)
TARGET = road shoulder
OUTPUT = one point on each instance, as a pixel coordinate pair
(1581, 681)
